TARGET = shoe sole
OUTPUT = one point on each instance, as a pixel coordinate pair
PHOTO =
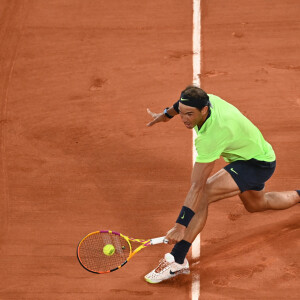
(149, 281)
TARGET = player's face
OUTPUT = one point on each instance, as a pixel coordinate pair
(191, 116)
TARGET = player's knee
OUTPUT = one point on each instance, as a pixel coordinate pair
(251, 209)
(254, 207)
(254, 203)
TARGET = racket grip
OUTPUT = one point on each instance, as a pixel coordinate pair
(159, 240)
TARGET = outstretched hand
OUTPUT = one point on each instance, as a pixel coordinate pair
(156, 117)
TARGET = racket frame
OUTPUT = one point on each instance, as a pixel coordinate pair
(144, 244)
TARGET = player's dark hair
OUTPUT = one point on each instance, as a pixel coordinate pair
(193, 96)
(196, 94)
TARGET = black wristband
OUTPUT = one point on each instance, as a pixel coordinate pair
(166, 114)
(176, 106)
(185, 216)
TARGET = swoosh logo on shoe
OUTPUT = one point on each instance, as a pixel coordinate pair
(234, 171)
(176, 272)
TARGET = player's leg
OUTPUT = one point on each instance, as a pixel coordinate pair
(219, 186)
(255, 201)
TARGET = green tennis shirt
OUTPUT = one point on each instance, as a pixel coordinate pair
(228, 133)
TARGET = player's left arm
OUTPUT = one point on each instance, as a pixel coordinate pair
(192, 203)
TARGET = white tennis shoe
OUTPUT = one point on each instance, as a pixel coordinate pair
(167, 269)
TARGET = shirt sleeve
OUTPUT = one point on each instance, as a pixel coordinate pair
(207, 150)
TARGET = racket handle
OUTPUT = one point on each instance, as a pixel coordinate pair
(159, 240)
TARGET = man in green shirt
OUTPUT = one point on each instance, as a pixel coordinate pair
(222, 130)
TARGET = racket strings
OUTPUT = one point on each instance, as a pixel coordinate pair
(91, 252)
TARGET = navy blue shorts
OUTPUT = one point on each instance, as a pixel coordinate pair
(251, 174)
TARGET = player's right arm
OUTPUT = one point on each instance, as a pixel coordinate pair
(165, 116)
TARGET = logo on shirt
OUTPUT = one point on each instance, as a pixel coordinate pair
(234, 171)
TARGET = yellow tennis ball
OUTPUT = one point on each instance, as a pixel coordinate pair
(109, 249)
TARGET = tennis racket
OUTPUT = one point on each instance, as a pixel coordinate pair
(93, 255)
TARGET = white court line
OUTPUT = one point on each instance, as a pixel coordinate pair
(196, 81)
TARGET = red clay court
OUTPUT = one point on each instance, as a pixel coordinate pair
(76, 156)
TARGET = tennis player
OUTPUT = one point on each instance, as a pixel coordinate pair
(222, 130)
